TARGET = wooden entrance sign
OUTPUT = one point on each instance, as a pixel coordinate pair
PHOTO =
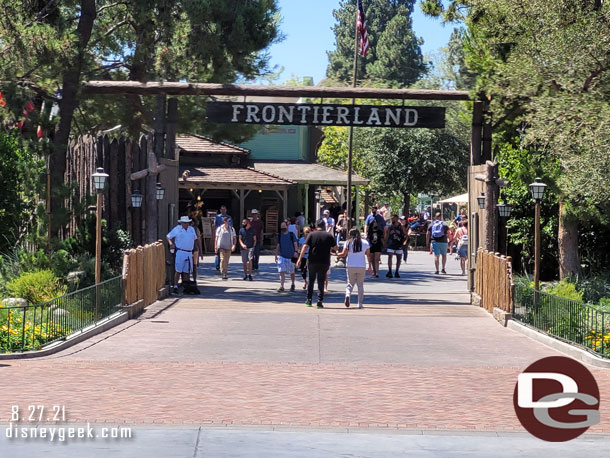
(326, 114)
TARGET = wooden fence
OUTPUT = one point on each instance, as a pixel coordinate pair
(494, 281)
(144, 273)
(119, 157)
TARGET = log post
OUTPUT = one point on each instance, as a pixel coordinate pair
(475, 140)
(172, 120)
(491, 192)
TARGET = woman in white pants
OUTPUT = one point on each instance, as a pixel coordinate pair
(357, 251)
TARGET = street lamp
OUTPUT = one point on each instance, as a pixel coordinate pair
(136, 199)
(317, 194)
(99, 182)
(537, 188)
(481, 201)
(504, 211)
(160, 191)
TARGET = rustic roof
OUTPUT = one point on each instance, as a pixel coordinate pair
(231, 178)
(304, 172)
(202, 144)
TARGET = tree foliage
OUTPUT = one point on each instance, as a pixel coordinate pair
(545, 67)
(407, 161)
(394, 57)
(20, 175)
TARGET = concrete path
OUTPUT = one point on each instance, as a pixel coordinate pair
(418, 358)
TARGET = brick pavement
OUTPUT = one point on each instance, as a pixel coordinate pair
(243, 356)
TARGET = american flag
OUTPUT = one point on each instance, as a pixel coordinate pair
(364, 36)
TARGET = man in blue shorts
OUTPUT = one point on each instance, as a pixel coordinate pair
(437, 233)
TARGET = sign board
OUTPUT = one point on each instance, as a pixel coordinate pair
(326, 114)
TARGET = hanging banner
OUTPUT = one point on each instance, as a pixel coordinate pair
(326, 114)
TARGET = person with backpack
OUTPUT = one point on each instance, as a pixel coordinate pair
(436, 237)
(357, 251)
(285, 251)
(375, 226)
(394, 240)
(462, 237)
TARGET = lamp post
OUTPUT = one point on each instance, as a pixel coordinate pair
(317, 194)
(136, 199)
(99, 182)
(160, 192)
(504, 211)
(537, 188)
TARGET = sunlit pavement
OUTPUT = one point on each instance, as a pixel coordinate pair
(245, 371)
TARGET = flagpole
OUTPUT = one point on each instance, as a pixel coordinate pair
(351, 133)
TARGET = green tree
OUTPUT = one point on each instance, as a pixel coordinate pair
(402, 162)
(20, 175)
(394, 57)
(545, 66)
(47, 45)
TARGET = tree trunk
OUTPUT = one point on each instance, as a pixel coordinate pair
(407, 204)
(569, 259)
(142, 60)
(67, 105)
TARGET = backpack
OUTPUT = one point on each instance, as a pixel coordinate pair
(438, 230)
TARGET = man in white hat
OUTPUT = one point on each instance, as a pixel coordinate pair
(182, 239)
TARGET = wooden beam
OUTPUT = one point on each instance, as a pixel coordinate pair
(181, 88)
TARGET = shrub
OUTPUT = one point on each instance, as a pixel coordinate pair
(595, 286)
(566, 289)
(36, 287)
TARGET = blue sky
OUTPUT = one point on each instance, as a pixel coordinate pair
(307, 27)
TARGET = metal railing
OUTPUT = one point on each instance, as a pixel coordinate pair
(33, 326)
(582, 324)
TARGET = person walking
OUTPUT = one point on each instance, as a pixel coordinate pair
(357, 251)
(462, 236)
(394, 240)
(375, 226)
(181, 239)
(320, 244)
(197, 250)
(407, 230)
(294, 227)
(258, 226)
(437, 238)
(300, 219)
(224, 245)
(247, 241)
(329, 221)
(285, 251)
(218, 222)
(303, 264)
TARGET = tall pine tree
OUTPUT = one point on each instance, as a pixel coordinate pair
(394, 58)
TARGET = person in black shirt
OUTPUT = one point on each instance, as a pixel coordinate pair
(320, 244)
(394, 240)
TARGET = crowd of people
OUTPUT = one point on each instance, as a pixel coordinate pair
(309, 249)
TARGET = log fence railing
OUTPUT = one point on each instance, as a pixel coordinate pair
(143, 274)
(494, 281)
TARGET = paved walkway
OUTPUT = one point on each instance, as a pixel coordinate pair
(418, 357)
